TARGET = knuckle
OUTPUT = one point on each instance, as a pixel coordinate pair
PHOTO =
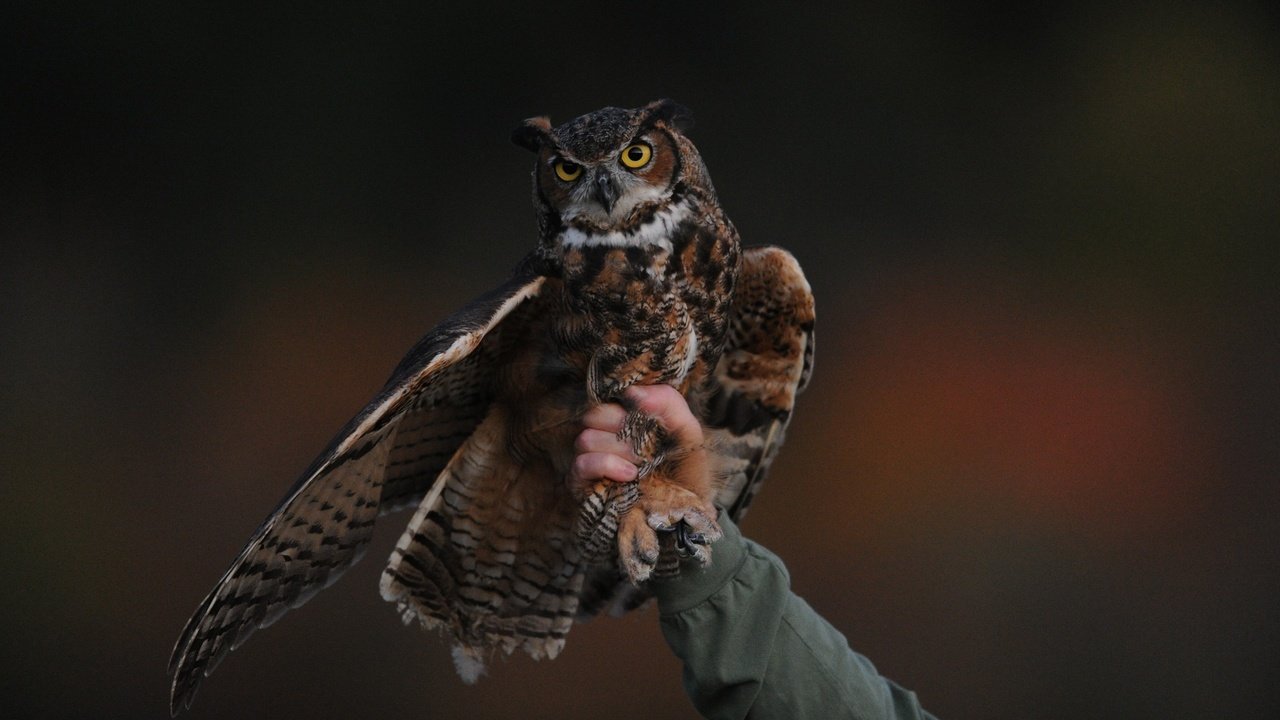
(619, 469)
(605, 418)
(594, 418)
(657, 408)
(582, 465)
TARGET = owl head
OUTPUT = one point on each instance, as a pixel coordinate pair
(600, 171)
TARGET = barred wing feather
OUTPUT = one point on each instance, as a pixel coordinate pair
(384, 459)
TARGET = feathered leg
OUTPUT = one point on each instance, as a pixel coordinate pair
(674, 510)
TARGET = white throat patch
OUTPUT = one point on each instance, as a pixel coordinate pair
(655, 232)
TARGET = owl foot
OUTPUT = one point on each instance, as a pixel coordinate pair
(664, 509)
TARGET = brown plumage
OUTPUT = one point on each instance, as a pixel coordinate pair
(638, 279)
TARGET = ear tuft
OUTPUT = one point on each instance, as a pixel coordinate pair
(670, 112)
(532, 133)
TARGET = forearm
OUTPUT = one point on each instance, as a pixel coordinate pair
(752, 648)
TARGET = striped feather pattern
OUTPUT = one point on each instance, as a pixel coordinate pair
(437, 421)
(302, 549)
(597, 524)
(767, 361)
(385, 457)
(497, 555)
(490, 557)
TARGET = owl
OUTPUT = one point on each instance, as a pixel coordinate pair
(638, 277)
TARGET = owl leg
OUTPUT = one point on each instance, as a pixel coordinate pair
(599, 517)
(673, 516)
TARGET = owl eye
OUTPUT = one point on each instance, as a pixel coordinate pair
(637, 155)
(568, 171)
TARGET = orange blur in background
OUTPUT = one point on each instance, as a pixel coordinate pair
(1034, 475)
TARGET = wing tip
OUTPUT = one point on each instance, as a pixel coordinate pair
(182, 692)
(183, 644)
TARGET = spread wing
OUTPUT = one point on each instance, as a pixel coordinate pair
(767, 361)
(383, 459)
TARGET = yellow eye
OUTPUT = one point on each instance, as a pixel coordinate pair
(568, 171)
(637, 155)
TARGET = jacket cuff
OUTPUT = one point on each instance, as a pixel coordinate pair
(696, 583)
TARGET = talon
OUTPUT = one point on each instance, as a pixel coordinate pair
(685, 540)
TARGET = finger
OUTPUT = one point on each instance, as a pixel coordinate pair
(593, 466)
(666, 405)
(603, 441)
(607, 417)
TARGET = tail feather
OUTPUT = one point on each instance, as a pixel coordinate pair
(489, 557)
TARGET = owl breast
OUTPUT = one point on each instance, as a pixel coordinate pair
(627, 320)
(648, 305)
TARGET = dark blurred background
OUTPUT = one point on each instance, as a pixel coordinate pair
(1035, 475)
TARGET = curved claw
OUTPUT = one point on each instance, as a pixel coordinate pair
(686, 539)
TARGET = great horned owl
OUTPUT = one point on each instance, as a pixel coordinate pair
(638, 278)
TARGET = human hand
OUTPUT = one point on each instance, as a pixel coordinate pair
(601, 455)
(653, 509)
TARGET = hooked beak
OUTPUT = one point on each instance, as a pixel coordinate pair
(606, 192)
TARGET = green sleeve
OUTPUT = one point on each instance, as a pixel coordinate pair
(752, 648)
